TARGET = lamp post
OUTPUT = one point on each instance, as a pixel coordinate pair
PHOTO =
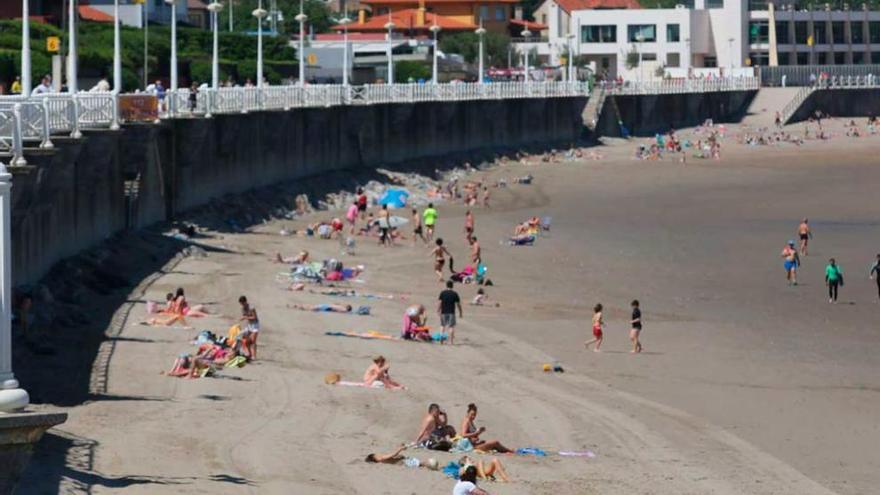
(230, 15)
(146, 26)
(390, 27)
(25, 49)
(481, 32)
(260, 14)
(435, 29)
(173, 84)
(215, 7)
(526, 34)
(345, 21)
(71, 48)
(571, 74)
(117, 50)
(301, 18)
(12, 397)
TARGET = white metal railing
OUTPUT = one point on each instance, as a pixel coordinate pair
(832, 82)
(674, 86)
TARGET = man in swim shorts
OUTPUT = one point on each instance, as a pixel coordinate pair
(804, 234)
(791, 262)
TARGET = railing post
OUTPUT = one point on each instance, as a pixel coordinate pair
(75, 132)
(114, 119)
(47, 131)
(18, 158)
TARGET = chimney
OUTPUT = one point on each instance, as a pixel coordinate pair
(420, 15)
(518, 13)
(362, 16)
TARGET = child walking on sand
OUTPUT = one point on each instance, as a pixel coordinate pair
(598, 323)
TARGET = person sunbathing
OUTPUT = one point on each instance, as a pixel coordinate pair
(482, 299)
(216, 354)
(322, 308)
(397, 457)
(186, 366)
(492, 470)
(378, 372)
(299, 259)
(182, 307)
(522, 239)
(470, 431)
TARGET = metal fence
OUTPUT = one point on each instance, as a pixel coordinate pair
(808, 75)
(675, 86)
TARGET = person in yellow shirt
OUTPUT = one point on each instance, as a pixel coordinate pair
(16, 86)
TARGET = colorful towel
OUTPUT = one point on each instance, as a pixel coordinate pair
(363, 335)
(531, 451)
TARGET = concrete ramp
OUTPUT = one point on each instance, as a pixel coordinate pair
(768, 101)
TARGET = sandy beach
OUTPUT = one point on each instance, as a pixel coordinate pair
(746, 385)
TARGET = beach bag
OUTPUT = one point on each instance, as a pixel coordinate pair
(152, 307)
(363, 310)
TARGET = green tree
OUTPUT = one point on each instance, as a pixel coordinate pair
(244, 21)
(407, 70)
(467, 45)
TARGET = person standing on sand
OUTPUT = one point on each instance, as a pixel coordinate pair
(833, 279)
(486, 197)
(417, 227)
(791, 262)
(351, 215)
(636, 329)
(875, 273)
(362, 203)
(430, 217)
(385, 227)
(468, 225)
(598, 323)
(439, 253)
(446, 304)
(476, 251)
(251, 328)
(805, 234)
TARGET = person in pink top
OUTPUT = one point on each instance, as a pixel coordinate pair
(351, 215)
(413, 319)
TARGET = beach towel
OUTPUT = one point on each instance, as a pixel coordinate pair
(587, 453)
(531, 451)
(462, 445)
(362, 335)
(452, 469)
(236, 362)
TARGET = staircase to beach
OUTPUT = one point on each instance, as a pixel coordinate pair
(593, 110)
(768, 101)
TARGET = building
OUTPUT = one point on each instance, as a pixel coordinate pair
(417, 16)
(131, 13)
(703, 36)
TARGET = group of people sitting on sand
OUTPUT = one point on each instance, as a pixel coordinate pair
(175, 310)
(237, 348)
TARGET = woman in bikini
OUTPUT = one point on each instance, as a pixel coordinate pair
(378, 372)
(439, 253)
(251, 328)
(485, 470)
(470, 431)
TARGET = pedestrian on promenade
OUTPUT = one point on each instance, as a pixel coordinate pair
(833, 279)
(447, 302)
(16, 86)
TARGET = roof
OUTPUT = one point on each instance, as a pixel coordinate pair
(429, 2)
(572, 5)
(87, 13)
(533, 26)
(196, 5)
(407, 19)
(351, 36)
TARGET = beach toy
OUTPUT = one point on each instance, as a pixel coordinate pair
(432, 464)
(558, 369)
(332, 378)
(547, 367)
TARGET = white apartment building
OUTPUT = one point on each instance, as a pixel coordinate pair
(722, 35)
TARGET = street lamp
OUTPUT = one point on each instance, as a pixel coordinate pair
(215, 7)
(526, 34)
(301, 18)
(481, 31)
(117, 50)
(260, 13)
(390, 27)
(571, 75)
(25, 49)
(173, 88)
(435, 29)
(71, 48)
(345, 21)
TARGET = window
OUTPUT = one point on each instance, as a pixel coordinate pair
(714, 4)
(875, 57)
(757, 4)
(649, 57)
(381, 10)
(874, 29)
(803, 58)
(823, 58)
(544, 19)
(782, 33)
(484, 12)
(500, 15)
(800, 32)
(672, 33)
(759, 32)
(759, 58)
(599, 34)
(784, 59)
(642, 32)
(858, 58)
(838, 32)
(710, 62)
(839, 58)
(673, 60)
(820, 34)
(857, 32)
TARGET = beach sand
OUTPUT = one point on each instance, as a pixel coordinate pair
(746, 385)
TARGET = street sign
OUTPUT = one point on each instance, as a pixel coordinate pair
(312, 59)
(53, 44)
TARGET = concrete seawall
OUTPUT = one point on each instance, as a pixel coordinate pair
(649, 114)
(74, 196)
(840, 103)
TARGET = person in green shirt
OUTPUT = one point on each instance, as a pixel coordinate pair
(833, 279)
(430, 218)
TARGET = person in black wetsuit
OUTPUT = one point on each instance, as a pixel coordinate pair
(636, 329)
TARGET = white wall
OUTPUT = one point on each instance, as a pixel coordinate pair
(130, 15)
(729, 23)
